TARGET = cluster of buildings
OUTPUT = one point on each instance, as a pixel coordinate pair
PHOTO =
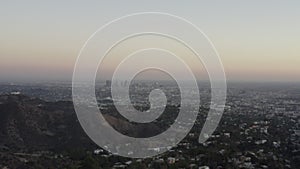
(260, 128)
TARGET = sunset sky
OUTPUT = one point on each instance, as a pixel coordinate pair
(256, 40)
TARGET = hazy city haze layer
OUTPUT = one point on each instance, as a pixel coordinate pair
(257, 41)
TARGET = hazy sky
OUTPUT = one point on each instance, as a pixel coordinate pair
(257, 40)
